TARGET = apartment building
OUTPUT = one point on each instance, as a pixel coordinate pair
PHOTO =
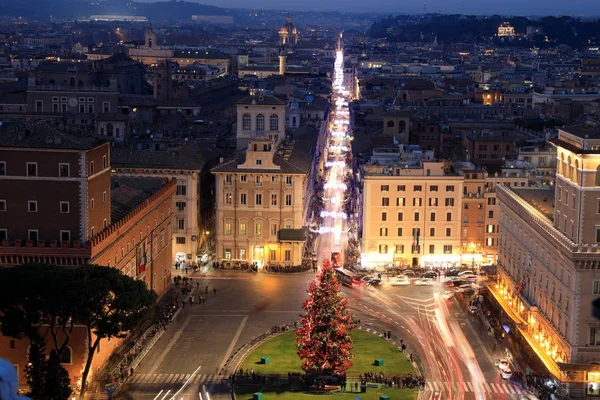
(260, 116)
(411, 214)
(260, 201)
(548, 262)
(186, 234)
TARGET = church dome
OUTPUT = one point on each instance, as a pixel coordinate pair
(288, 28)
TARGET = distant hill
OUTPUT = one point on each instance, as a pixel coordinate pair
(45, 9)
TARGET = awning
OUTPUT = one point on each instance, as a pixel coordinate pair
(292, 235)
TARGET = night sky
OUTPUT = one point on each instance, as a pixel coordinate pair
(504, 7)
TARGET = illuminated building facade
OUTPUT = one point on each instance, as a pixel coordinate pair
(548, 262)
(506, 30)
(411, 214)
(288, 34)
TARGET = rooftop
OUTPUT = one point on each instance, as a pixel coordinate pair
(584, 131)
(262, 100)
(129, 158)
(129, 192)
(541, 198)
(44, 136)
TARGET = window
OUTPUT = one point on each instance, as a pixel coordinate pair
(260, 122)
(491, 228)
(242, 254)
(228, 198)
(448, 217)
(63, 170)
(2, 168)
(287, 255)
(33, 235)
(385, 188)
(92, 204)
(490, 214)
(401, 188)
(384, 216)
(228, 228)
(449, 202)
(417, 202)
(246, 123)
(433, 188)
(243, 199)
(288, 181)
(273, 255)
(258, 229)
(432, 217)
(180, 205)
(415, 249)
(2, 205)
(181, 190)
(450, 188)
(594, 335)
(383, 249)
(180, 223)
(431, 249)
(65, 236)
(274, 123)
(32, 169)
(448, 232)
(447, 249)
(418, 188)
(258, 180)
(288, 199)
(105, 161)
(243, 178)
(32, 206)
(492, 201)
(416, 216)
(258, 201)
(383, 231)
(65, 207)
(400, 216)
(596, 287)
(227, 253)
(399, 231)
(274, 229)
(258, 162)
(431, 232)
(385, 201)
(92, 169)
(490, 241)
(466, 206)
(433, 202)
(400, 202)
(242, 228)
(273, 199)
(228, 179)
(597, 235)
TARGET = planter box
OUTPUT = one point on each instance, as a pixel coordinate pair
(5, 242)
(17, 243)
(53, 244)
(378, 362)
(265, 360)
(29, 243)
(76, 244)
(66, 245)
(42, 243)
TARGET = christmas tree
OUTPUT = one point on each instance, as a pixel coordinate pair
(324, 342)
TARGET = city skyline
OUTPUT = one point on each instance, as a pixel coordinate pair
(586, 8)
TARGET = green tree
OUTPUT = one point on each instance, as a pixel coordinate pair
(324, 342)
(35, 371)
(57, 385)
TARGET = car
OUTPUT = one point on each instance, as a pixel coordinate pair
(424, 282)
(452, 272)
(506, 373)
(374, 282)
(429, 275)
(466, 273)
(448, 294)
(473, 310)
(409, 273)
(502, 363)
(400, 281)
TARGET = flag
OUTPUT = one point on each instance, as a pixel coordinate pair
(143, 264)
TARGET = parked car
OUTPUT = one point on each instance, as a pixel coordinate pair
(452, 272)
(371, 281)
(466, 273)
(400, 281)
(429, 275)
(424, 282)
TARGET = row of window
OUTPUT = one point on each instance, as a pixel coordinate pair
(416, 232)
(227, 254)
(417, 188)
(258, 228)
(34, 235)
(32, 206)
(258, 179)
(417, 201)
(417, 216)
(258, 199)
(64, 169)
(414, 249)
(260, 122)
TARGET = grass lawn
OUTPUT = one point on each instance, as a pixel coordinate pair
(367, 347)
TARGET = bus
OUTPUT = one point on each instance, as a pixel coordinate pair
(348, 278)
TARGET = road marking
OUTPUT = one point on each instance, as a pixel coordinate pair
(171, 344)
(166, 394)
(186, 383)
(469, 387)
(486, 387)
(159, 393)
(233, 342)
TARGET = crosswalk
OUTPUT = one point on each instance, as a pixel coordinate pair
(485, 387)
(173, 379)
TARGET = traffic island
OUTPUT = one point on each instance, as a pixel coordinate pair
(282, 378)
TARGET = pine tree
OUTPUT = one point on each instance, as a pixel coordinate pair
(324, 342)
(36, 368)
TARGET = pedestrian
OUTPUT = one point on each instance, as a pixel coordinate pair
(214, 290)
(191, 299)
(197, 285)
(356, 386)
(199, 299)
(206, 290)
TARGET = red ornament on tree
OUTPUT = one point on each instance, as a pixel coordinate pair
(324, 342)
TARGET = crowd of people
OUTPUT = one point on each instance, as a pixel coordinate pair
(396, 382)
